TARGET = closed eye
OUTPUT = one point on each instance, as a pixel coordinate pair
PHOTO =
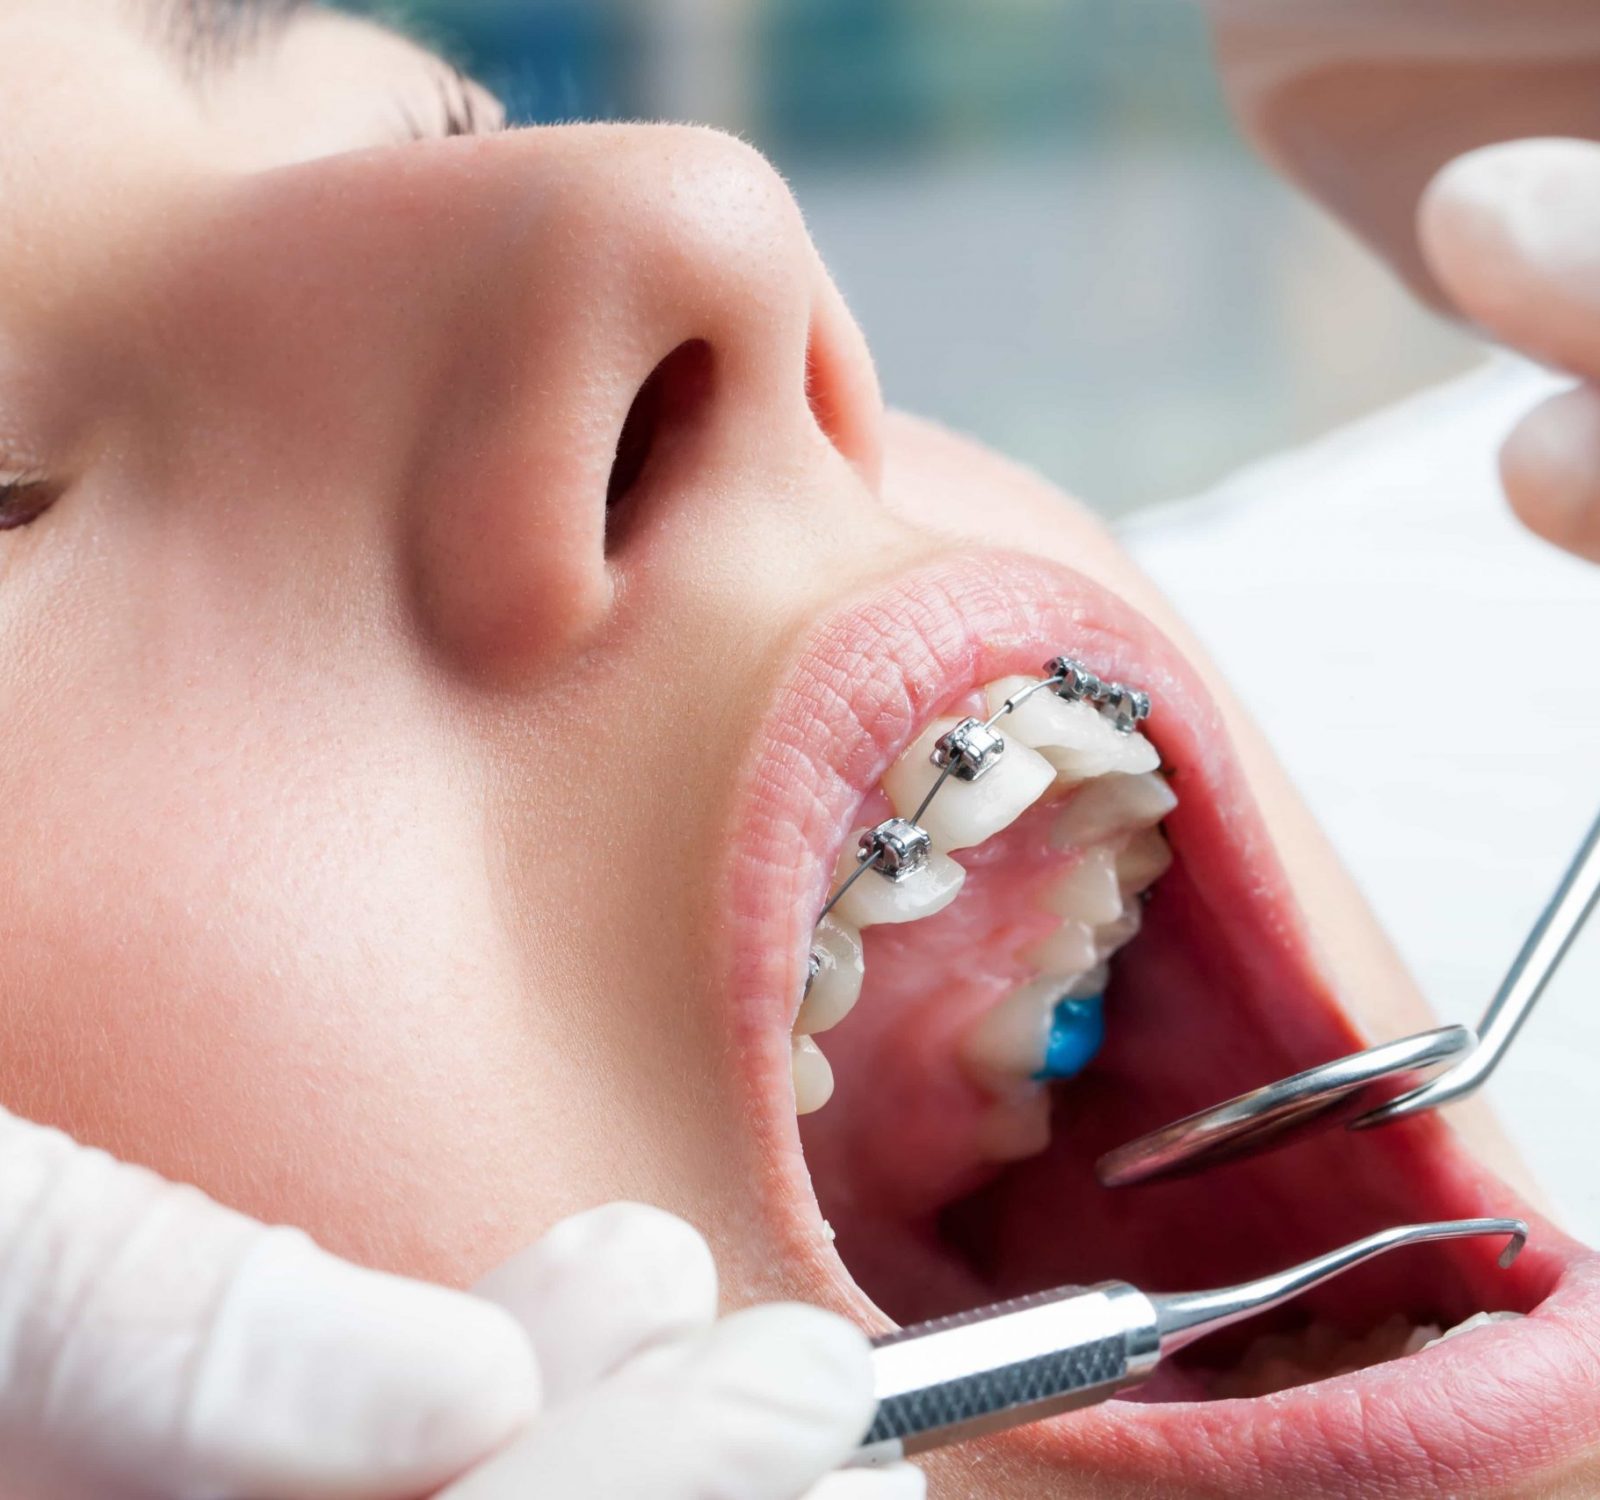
(458, 106)
(24, 499)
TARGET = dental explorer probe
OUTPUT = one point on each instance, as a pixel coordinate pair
(1016, 1362)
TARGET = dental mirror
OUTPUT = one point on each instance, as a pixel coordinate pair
(1383, 1083)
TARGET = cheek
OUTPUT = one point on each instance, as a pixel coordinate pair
(260, 956)
(934, 479)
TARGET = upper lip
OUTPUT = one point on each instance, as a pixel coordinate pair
(865, 681)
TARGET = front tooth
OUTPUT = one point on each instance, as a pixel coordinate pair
(1076, 738)
(836, 986)
(1144, 859)
(965, 813)
(1089, 891)
(874, 899)
(813, 1078)
(1070, 949)
(1112, 805)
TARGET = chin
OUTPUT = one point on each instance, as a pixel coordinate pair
(943, 1174)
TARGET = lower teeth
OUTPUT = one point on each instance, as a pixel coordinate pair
(1279, 1362)
(1477, 1320)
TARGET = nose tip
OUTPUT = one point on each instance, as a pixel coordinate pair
(660, 324)
(719, 253)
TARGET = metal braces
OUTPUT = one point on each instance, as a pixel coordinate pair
(969, 750)
(1126, 707)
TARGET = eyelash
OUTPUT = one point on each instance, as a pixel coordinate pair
(23, 501)
(459, 113)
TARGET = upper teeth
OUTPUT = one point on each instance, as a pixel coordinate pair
(1090, 891)
(1112, 804)
(965, 813)
(1075, 738)
(835, 983)
(871, 901)
(958, 784)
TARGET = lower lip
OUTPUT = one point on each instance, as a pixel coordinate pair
(1493, 1412)
(1498, 1408)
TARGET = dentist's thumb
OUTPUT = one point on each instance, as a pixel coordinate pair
(1512, 234)
(155, 1343)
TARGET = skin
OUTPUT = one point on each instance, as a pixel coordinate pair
(346, 762)
(1459, 140)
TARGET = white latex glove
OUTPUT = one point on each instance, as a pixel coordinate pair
(1360, 102)
(1512, 234)
(650, 1397)
(155, 1344)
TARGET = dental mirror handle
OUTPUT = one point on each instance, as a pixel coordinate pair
(1033, 1357)
(1560, 922)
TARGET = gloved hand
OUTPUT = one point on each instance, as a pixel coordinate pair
(1512, 235)
(1364, 102)
(1360, 102)
(650, 1397)
(155, 1344)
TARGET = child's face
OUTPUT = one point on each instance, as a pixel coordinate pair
(418, 789)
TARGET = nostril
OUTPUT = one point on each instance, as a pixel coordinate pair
(822, 391)
(666, 406)
(842, 388)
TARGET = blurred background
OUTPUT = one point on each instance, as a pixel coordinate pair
(1037, 209)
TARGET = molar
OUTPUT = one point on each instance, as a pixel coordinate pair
(1092, 983)
(1110, 937)
(1467, 1325)
(836, 985)
(1089, 891)
(813, 1078)
(1112, 805)
(1070, 949)
(965, 813)
(1143, 860)
(875, 900)
(1008, 1042)
(1076, 738)
(1046, 1029)
(1016, 1126)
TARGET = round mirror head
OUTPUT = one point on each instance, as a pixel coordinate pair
(1317, 1099)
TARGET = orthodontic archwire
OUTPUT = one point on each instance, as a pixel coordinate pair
(968, 750)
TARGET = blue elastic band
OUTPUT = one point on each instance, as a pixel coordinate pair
(1076, 1031)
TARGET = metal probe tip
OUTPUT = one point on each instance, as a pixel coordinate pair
(1183, 1317)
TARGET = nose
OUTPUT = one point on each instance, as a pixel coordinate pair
(564, 340)
(661, 338)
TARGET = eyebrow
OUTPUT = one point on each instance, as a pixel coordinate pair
(206, 37)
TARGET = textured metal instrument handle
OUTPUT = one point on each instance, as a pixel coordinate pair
(958, 1377)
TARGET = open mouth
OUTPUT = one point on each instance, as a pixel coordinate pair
(1110, 877)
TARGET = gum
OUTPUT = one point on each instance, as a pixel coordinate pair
(904, 1128)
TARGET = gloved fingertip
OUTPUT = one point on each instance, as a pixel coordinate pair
(813, 1365)
(893, 1482)
(1550, 467)
(322, 1374)
(602, 1287)
(1510, 231)
(612, 1244)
